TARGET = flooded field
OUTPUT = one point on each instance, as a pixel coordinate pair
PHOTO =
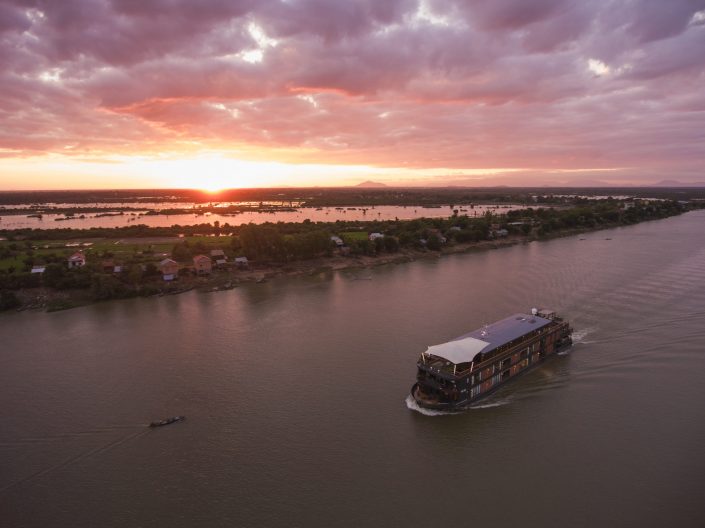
(112, 217)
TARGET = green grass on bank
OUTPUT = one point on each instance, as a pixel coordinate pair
(349, 236)
(14, 254)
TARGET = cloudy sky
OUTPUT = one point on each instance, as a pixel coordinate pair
(228, 93)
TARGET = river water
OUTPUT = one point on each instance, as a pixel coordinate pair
(294, 392)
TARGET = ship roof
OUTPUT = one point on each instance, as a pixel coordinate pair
(459, 350)
(466, 347)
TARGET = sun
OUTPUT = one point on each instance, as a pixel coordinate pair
(210, 174)
(214, 174)
(212, 187)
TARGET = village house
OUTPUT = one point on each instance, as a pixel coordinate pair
(337, 241)
(202, 265)
(169, 269)
(375, 236)
(38, 269)
(242, 262)
(77, 260)
(221, 260)
(109, 266)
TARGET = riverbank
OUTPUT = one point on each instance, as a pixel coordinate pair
(46, 269)
(49, 299)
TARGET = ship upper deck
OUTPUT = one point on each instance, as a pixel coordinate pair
(467, 347)
(506, 330)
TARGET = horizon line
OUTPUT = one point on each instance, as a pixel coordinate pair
(679, 185)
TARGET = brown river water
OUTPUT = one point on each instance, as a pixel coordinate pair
(295, 393)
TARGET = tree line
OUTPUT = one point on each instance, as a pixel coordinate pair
(285, 242)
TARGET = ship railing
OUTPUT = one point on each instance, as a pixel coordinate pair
(430, 382)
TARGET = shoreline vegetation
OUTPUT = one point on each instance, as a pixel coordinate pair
(37, 270)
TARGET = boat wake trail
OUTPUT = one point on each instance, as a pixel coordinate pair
(412, 405)
(580, 335)
(489, 405)
(75, 459)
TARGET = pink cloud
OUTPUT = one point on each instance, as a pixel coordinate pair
(460, 85)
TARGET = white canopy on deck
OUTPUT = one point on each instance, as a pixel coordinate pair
(460, 351)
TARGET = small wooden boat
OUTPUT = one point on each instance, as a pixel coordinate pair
(168, 421)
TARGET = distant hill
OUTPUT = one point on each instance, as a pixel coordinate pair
(370, 183)
(587, 183)
(676, 183)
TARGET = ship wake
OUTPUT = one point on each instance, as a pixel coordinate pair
(412, 405)
(490, 404)
(580, 335)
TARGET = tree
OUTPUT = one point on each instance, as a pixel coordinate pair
(262, 242)
(53, 275)
(391, 244)
(235, 244)
(309, 245)
(433, 242)
(150, 270)
(134, 275)
(28, 262)
(181, 251)
(104, 287)
(198, 248)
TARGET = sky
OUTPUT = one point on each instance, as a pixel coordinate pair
(254, 93)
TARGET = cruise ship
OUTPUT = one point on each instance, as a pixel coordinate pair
(455, 374)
